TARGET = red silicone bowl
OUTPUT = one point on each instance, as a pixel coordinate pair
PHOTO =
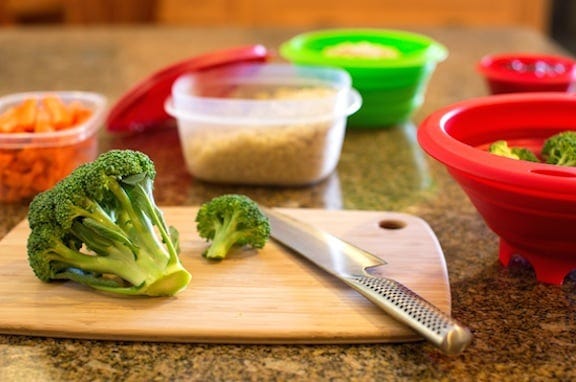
(512, 73)
(530, 206)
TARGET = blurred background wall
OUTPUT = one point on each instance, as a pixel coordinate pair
(556, 18)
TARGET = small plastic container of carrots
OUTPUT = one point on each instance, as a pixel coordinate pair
(43, 137)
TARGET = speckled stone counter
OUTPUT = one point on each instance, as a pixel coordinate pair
(523, 330)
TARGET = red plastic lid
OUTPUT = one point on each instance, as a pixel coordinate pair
(528, 68)
(142, 107)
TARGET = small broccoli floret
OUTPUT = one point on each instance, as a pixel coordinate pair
(231, 220)
(502, 149)
(560, 149)
(100, 226)
(525, 154)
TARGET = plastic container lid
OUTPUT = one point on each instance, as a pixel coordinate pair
(142, 107)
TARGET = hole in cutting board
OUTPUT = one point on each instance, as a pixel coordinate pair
(391, 224)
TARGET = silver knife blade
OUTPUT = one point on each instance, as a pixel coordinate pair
(333, 255)
(350, 263)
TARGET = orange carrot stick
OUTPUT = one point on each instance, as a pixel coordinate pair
(79, 112)
(8, 121)
(26, 115)
(43, 121)
(58, 112)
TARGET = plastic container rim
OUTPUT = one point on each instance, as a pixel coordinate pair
(296, 49)
(546, 178)
(354, 103)
(277, 76)
(97, 103)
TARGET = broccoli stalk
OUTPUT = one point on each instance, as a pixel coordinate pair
(231, 221)
(100, 226)
(560, 149)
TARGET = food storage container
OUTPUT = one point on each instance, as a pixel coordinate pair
(390, 68)
(531, 206)
(526, 72)
(33, 161)
(267, 124)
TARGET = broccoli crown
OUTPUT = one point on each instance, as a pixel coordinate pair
(501, 148)
(229, 221)
(100, 226)
(560, 149)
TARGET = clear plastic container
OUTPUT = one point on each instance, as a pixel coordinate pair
(267, 124)
(31, 162)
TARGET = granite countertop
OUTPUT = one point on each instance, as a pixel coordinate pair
(522, 329)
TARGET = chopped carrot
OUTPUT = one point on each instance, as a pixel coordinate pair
(8, 121)
(79, 112)
(28, 170)
(48, 114)
(26, 115)
(6, 158)
(43, 122)
(58, 112)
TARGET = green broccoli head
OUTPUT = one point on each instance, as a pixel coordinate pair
(41, 209)
(560, 149)
(61, 259)
(229, 221)
(100, 226)
(50, 240)
(501, 148)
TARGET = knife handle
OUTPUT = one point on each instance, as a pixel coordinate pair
(409, 308)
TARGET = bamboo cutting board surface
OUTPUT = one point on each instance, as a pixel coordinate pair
(270, 296)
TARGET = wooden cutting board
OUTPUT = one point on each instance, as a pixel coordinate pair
(273, 296)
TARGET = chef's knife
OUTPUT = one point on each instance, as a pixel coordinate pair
(350, 264)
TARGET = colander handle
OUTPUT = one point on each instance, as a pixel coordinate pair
(409, 308)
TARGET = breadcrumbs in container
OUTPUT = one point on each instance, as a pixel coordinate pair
(43, 137)
(263, 124)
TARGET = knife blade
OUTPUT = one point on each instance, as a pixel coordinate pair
(350, 264)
